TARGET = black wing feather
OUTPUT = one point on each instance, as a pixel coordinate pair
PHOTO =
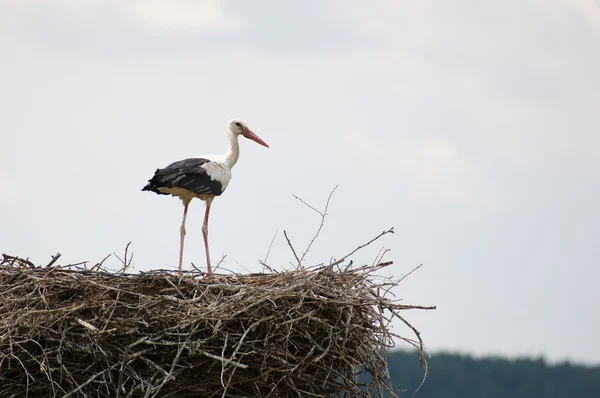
(187, 174)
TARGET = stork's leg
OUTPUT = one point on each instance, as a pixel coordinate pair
(182, 234)
(205, 233)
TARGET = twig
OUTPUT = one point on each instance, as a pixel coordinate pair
(381, 255)
(169, 375)
(291, 247)
(214, 269)
(270, 246)
(220, 262)
(265, 266)
(54, 258)
(413, 270)
(124, 261)
(99, 265)
(89, 381)
(19, 260)
(422, 359)
(196, 268)
(323, 214)
(341, 260)
(378, 254)
(75, 265)
(87, 325)
(238, 263)
(225, 360)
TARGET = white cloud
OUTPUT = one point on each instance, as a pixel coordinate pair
(153, 15)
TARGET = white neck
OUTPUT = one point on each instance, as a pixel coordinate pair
(233, 153)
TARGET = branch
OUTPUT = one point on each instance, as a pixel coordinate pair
(291, 247)
(225, 360)
(126, 264)
(380, 256)
(422, 360)
(270, 246)
(341, 260)
(99, 265)
(76, 265)
(220, 262)
(413, 270)
(20, 261)
(322, 214)
(241, 266)
(54, 258)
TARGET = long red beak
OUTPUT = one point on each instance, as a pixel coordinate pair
(250, 135)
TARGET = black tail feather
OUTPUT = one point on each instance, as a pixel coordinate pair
(153, 184)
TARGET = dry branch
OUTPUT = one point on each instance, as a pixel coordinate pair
(54, 259)
(323, 214)
(317, 332)
(341, 260)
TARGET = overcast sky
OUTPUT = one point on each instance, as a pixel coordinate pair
(471, 127)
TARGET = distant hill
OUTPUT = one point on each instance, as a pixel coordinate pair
(461, 376)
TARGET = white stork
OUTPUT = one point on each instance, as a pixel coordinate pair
(202, 178)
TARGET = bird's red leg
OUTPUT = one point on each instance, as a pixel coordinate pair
(182, 235)
(205, 233)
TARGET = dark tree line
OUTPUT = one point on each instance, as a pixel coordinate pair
(461, 376)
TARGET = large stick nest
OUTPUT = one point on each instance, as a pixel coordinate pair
(321, 332)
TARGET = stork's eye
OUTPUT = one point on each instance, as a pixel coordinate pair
(238, 124)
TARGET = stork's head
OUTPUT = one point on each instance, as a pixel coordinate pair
(239, 127)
